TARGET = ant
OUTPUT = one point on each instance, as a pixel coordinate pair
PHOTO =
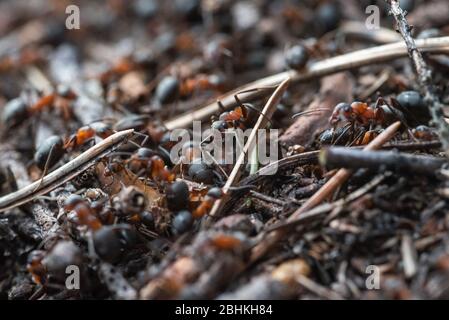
(36, 267)
(121, 67)
(85, 214)
(423, 132)
(357, 112)
(200, 82)
(17, 111)
(50, 267)
(146, 161)
(409, 108)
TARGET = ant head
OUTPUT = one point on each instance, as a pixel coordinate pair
(342, 112)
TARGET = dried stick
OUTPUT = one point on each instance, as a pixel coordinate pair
(326, 190)
(321, 68)
(338, 157)
(64, 173)
(266, 114)
(423, 72)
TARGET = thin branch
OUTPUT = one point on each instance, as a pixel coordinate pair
(64, 173)
(318, 69)
(423, 72)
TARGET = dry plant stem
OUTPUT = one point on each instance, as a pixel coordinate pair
(318, 69)
(326, 190)
(337, 157)
(267, 113)
(64, 173)
(319, 211)
(423, 72)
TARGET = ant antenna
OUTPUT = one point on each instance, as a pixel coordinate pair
(47, 162)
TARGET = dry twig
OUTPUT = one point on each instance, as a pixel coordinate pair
(423, 72)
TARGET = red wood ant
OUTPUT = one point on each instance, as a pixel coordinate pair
(239, 116)
(212, 195)
(110, 241)
(53, 148)
(357, 112)
(200, 82)
(85, 214)
(409, 108)
(27, 56)
(17, 111)
(151, 164)
(86, 133)
(51, 266)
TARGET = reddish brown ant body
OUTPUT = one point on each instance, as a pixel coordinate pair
(409, 108)
(150, 164)
(84, 213)
(86, 133)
